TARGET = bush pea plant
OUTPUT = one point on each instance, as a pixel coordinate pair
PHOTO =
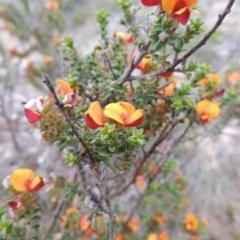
(118, 115)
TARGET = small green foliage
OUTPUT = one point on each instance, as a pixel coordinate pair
(71, 190)
(194, 28)
(145, 92)
(200, 72)
(102, 18)
(125, 6)
(231, 96)
(182, 100)
(177, 43)
(71, 159)
(113, 71)
(112, 139)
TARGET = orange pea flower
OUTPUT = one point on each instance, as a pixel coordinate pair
(211, 79)
(119, 236)
(163, 236)
(179, 9)
(69, 93)
(207, 111)
(145, 63)
(191, 222)
(33, 109)
(152, 236)
(233, 78)
(56, 39)
(52, 5)
(161, 219)
(121, 112)
(124, 113)
(127, 38)
(85, 225)
(133, 225)
(24, 180)
(170, 89)
(94, 117)
(153, 169)
(140, 180)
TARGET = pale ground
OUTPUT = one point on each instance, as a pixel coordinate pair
(213, 164)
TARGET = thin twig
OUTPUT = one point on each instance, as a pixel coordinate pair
(107, 59)
(162, 136)
(165, 85)
(107, 201)
(55, 218)
(68, 120)
(134, 63)
(150, 179)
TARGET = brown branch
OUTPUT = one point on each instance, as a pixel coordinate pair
(108, 60)
(165, 85)
(162, 136)
(55, 218)
(134, 63)
(107, 201)
(201, 43)
(150, 179)
(68, 120)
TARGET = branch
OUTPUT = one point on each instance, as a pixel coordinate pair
(55, 218)
(107, 59)
(221, 17)
(68, 120)
(135, 62)
(165, 85)
(150, 179)
(162, 136)
(111, 214)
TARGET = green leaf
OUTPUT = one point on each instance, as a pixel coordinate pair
(177, 43)
(154, 38)
(160, 45)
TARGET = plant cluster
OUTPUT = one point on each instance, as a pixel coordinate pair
(111, 115)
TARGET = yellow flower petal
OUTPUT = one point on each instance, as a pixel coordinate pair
(21, 178)
(190, 3)
(175, 5)
(205, 107)
(168, 6)
(180, 11)
(115, 112)
(84, 223)
(214, 110)
(191, 222)
(96, 113)
(128, 107)
(64, 86)
(133, 225)
(163, 236)
(202, 106)
(36, 184)
(233, 76)
(152, 236)
(135, 119)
